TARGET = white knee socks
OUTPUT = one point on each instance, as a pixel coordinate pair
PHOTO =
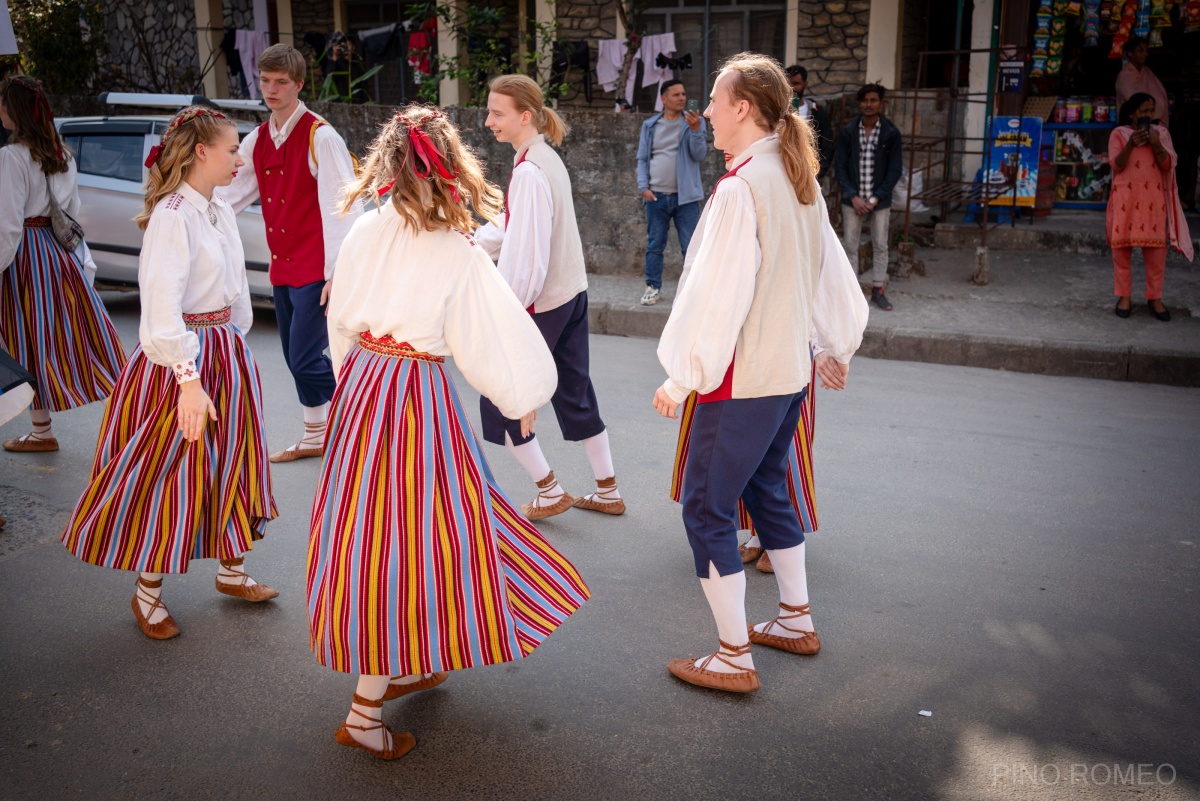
(530, 457)
(372, 688)
(792, 578)
(727, 599)
(600, 456)
(315, 420)
(146, 597)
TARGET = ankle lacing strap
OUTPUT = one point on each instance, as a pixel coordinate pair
(367, 702)
(799, 611)
(546, 485)
(155, 601)
(231, 566)
(726, 650)
(606, 488)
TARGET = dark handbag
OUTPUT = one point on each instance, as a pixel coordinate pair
(68, 232)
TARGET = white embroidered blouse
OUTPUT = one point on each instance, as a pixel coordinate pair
(189, 265)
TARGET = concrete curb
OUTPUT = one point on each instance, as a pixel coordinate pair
(965, 236)
(1016, 354)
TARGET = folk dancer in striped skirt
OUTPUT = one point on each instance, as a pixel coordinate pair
(51, 320)
(181, 466)
(541, 257)
(801, 485)
(739, 335)
(418, 564)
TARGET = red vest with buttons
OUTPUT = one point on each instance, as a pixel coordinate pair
(290, 208)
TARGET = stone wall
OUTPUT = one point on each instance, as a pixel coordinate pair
(832, 44)
(152, 46)
(601, 155)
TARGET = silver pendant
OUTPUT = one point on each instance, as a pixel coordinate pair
(212, 216)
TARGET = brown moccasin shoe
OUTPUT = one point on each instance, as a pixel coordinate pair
(402, 742)
(743, 681)
(749, 554)
(292, 454)
(808, 643)
(254, 593)
(164, 629)
(606, 499)
(763, 565)
(31, 444)
(395, 691)
(538, 511)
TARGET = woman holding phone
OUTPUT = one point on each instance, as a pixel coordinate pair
(1144, 209)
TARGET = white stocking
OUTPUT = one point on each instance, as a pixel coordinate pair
(372, 688)
(530, 457)
(146, 597)
(792, 578)
(600, 456)
(41, 425)
(727, 599)
(232, 574)
(753, 542)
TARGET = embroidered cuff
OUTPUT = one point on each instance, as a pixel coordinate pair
(186, 371)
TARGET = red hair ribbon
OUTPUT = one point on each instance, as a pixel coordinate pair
(155, 152)
(427, 159)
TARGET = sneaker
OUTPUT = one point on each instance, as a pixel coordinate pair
(880, 299)
(650, 296)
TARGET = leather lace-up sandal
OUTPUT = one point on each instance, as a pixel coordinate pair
(255, 593)
(300, 450)
(745, 680)
(164, 629)
(605, 499)
(807, 643)
(31, 443)
(402, 743)
(395, 691)
(749, 554)
(534, 511)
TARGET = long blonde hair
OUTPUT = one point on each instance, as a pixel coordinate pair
(25, 102)
(428, 198)
(761, 81)
(169, 164)
(527, 96)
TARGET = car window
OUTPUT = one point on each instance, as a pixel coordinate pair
(110, 155)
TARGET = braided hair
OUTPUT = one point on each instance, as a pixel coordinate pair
(170, 160)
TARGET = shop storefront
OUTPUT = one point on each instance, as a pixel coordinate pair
(1076, 56)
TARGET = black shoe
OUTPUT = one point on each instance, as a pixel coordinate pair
(1164, 315)
(880, 299)
(1123, 313)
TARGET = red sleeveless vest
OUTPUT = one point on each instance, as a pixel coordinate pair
(290, 209)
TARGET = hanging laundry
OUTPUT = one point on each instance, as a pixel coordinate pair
(250, 45)
(380, 44)
(420, 49)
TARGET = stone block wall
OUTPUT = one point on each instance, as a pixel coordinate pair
(152, 46)
(601, 156)
(832, 44)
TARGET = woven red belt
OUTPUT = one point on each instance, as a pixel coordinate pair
(37, 222)
(390, 347)
(207, 319)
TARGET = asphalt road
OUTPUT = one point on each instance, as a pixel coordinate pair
(1015, 553)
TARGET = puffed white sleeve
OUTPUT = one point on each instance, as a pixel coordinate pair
(697, 344)
(840, 310)
(162, 278)
(242, 313)
(341, 299)
(243, 190)
(12, 205)
(525, 257)
(335, 170)
(490, 237)
(495, 343)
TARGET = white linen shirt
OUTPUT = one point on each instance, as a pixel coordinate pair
(695, 349)
(24, 195)
(189, 266)
(336, 170)
(523, 252)
(439, 292)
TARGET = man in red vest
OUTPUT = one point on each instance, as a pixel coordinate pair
(297, 164)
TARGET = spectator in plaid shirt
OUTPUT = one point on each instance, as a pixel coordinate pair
(867, 164)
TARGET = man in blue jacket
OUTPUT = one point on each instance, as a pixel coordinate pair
(867, 163)
(670, 150)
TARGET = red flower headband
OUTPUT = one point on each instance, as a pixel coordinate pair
(182, 119)
(427, 159)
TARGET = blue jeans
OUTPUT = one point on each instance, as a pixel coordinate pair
(659, 214)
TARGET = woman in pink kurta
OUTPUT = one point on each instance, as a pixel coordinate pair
(1143, 209)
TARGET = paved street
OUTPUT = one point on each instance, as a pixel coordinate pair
(1016, 553)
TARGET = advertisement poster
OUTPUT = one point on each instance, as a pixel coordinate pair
(8, 40)
(1015, 142)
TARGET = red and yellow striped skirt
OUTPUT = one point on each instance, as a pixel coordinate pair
(156, 501)
(417, 561)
